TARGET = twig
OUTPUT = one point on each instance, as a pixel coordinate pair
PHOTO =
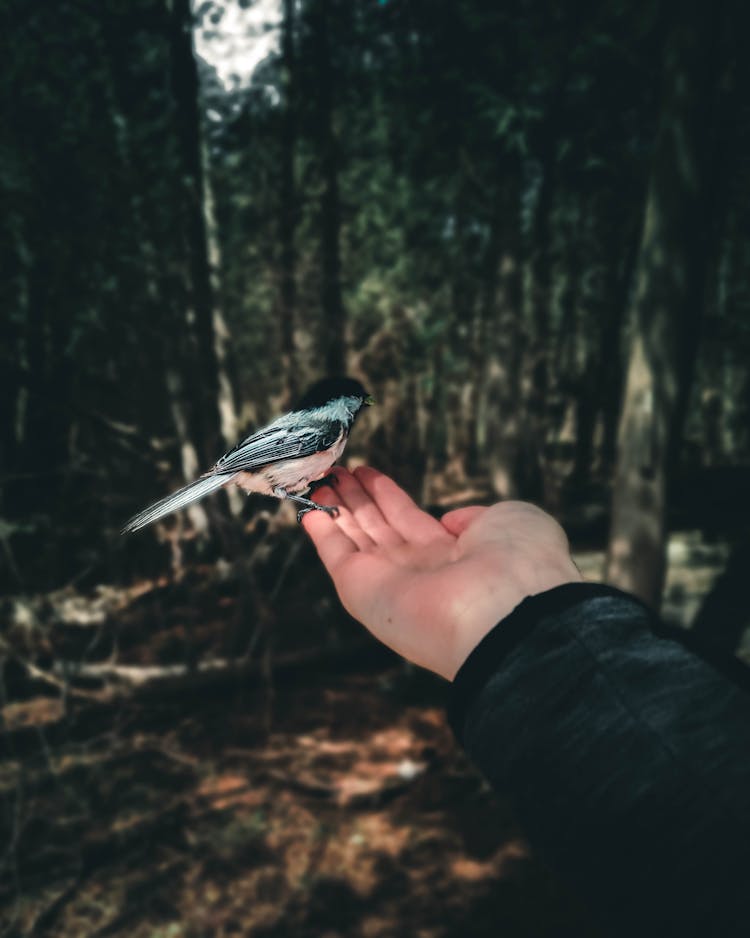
(60, 684)
(137, 675)
(46, 677)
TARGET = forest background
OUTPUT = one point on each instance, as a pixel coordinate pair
(524, 226)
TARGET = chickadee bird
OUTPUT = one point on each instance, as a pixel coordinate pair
(282, 459)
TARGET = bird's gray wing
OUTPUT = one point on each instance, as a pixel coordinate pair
(277, 442)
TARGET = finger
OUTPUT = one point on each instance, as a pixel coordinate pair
(345, 520)
(458, 521)
(366, 513)
(398, 509)
(332, 544)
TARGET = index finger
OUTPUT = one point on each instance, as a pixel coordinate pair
(332, 545)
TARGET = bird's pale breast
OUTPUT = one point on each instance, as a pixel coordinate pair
(292, 475)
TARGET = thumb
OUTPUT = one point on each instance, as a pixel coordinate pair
(458, 521)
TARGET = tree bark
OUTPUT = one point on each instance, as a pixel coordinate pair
(483, 345)
(211, 393)
(172, 353)
(288, 208)
(334, 314)
(502, 383)
(189, 460)
(14, 296)
(667, 302)
(611, 366)
(228, 420)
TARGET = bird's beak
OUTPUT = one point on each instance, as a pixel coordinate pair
(369, 400)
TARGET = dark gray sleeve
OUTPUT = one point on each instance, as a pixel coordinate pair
(627, 757)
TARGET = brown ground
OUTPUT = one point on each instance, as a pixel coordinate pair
(318, 794)
(355, 815)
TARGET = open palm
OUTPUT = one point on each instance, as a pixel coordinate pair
(432, 589)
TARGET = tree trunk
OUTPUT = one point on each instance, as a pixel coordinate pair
(213, 404)
(14, 295)
(598, 381)
(460, 333)
(189, 460)
(505, 341)
(334, 316)
(172, 353)
(228, 417)
(288, 209)
(667, 302)
(483, 345)
(535, 358)
(610, 365)
(228, 420)
(437, 431)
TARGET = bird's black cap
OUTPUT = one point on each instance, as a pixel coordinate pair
(330, 389)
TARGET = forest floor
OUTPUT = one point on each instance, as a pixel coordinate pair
(317, 796)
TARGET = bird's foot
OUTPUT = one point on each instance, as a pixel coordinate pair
(331, 510)
(307, 504)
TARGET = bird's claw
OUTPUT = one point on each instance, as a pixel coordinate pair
(331, 510)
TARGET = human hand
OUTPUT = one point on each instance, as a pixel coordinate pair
(429, 589)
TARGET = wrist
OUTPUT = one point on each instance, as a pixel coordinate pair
(546, 576)
(514, 584)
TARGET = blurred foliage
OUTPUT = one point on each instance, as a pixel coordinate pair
(447, 197)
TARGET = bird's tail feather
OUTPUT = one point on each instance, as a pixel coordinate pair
(179, 499)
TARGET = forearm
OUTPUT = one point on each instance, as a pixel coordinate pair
(627, 757)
